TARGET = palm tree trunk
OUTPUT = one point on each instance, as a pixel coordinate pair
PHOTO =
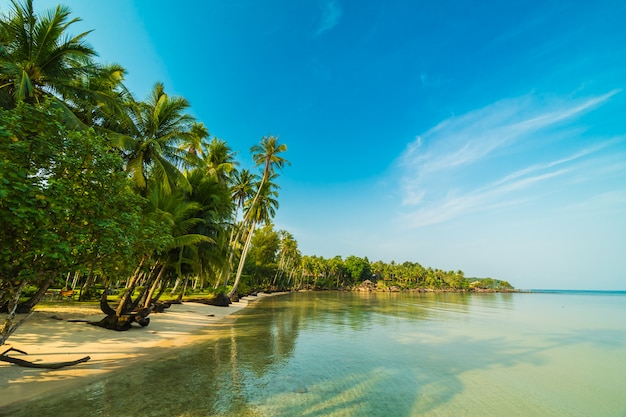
(231, 255)
(155, 285)
(231, 250)
(242, 260)
(180, 296)
(130, 287)
(26, 306)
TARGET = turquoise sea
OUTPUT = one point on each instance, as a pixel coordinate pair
(543, 354)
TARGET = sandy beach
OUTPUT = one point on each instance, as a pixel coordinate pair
(48, 337)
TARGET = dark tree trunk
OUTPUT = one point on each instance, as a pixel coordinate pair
(122, 321)
(27, 306)
(27, 364)
(84, 290)
(130, 288)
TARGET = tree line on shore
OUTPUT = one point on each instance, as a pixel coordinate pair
(100, 188)
(275, 264)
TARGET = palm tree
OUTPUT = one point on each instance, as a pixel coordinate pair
(266, 154)
(216, 209)
(242, 189)
(161, 138)
(288, 253)
(219, 160)
(261, 211)
(175, 213)
(40, 60)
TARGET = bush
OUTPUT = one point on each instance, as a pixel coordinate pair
(29, 290)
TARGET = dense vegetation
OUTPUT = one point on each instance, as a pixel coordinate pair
(99, 189)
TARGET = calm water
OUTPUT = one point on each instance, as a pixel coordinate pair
(345, 354)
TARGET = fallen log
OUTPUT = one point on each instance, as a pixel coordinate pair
(28, 364)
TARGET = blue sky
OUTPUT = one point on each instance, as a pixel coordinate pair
(483, 136)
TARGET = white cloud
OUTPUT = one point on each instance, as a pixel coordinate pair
(331, 13)
(492, 155)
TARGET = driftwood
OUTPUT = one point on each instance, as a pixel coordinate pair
(220, 300)
(160, 306)
(28, 364)
(123, 321)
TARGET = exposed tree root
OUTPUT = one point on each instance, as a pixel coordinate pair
(28, 364)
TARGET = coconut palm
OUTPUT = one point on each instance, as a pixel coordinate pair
(219, 160)
(159, 140)
(267, 154)
(38, 57)
(216, 208)
(175, 213)
(288, 254)
(242, 189)
(260, 211)
(39, 60)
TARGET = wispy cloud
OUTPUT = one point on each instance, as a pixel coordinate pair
(491, 157)
(331, 13)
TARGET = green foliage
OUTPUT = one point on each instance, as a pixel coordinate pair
(489, 284)
(29, 290)
(261, 260)
(265, 245)
(66, 202)
(318, 272)
(358, 268)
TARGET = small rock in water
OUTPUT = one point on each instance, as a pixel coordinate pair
(301, 390)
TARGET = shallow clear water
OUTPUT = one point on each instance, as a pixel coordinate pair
(354, 354)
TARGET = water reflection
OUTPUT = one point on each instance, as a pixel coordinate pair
(345, 354)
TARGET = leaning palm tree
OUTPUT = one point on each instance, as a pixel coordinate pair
(260, 211)
(266, 154)
(216, 209)
(175, 213)
(242, 189)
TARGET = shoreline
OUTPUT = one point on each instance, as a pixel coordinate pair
(48, 337)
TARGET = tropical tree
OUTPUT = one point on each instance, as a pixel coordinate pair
(39, 59)
(177, 217)
(260, 210)
(268, 155)
(261, 261)
(65, 203)
(288, 256)
(219, 160)
(358, 268)
(242, 189)
(216, 207)
(159, 138)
